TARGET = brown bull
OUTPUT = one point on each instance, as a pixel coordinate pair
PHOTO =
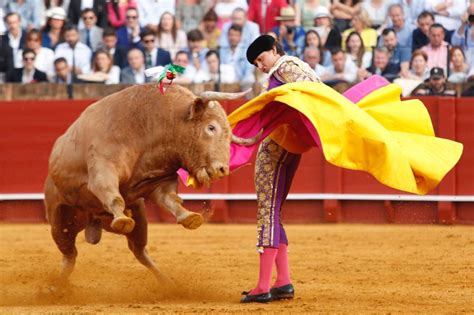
(127, 147)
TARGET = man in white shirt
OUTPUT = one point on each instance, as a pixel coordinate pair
(215, 71)
(342, 68)
(135, 72)
(77, 54)
(150, 12)
(250, 30)
(447, 13)
(14, 37)
(235, 54)
(181, 59)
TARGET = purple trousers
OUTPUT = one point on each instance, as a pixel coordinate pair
(274, 171)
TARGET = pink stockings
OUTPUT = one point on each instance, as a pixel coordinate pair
(270, 256)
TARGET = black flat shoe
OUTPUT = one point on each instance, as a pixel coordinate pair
(283, 292)
(256, 298)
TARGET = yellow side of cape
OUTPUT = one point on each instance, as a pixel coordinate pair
(391, 139)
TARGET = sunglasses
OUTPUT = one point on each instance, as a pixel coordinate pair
(131, 17)
(28, 58)
(87, 17)
(146, 41)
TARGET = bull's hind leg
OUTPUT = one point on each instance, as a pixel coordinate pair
(137, 240)
(104, 184)
(166, 196)
(66, 223)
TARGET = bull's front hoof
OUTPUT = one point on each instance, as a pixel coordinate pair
(123, 225)
(192, 221)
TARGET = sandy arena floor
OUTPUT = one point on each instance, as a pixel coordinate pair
(335, 269)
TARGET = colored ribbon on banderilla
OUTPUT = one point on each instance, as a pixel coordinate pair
(170, 72)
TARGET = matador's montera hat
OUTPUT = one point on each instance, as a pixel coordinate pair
(259, 45)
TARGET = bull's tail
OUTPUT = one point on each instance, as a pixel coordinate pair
(93, 230)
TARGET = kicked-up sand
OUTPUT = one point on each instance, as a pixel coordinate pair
(335, 269)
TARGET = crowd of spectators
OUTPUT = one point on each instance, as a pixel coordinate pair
(419, 44)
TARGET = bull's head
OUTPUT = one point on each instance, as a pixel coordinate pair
(210, 150)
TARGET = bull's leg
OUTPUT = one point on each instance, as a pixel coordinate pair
(66, 223)
(137, 240)
(166, 196)
(104, 183)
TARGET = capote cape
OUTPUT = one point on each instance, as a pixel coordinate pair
(368, 128)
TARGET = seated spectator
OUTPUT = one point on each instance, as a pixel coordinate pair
(235, 55)
(250, 29)
(470, 90)
(417, 74)
(215, 71)
(44, 56)
(362, 25)
(412, 10)
(15, 36)
(135, 72)
(150, 12)
(330, 35)
(153, 56)
(437, 48)
(398, 55)
(169, 37)
(76, 7)
(312, 56)
(343, 11)
(266, 21)
(117, 10)
(419, 66)
(76, 53)
(420, 34)
(28, 73)
(26, 10)
(464, 35)
(377, 11)
(447, 13)
(381, 66)
(342, 69)
(289, 35)
(128, 36)
(6, 59)
(312, 39)
(306, 11)
(62, 72)
(402, 28)
(210, 31)
(196, 49)
(436, 85)
(103, 69)
(109, 43)
(90, 34)
(356, 51)
(458, 66)
(44, 6)
(181, 59)
(224, 9)
(190, 13)
(53, 32)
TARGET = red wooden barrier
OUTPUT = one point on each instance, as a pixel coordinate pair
(29, 128)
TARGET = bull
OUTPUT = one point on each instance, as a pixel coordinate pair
(127, 148)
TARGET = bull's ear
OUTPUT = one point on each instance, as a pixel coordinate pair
(197, 108)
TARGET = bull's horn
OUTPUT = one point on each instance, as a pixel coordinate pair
(219, 96)
(247, 141)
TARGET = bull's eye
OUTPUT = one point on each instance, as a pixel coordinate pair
(211, 128)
